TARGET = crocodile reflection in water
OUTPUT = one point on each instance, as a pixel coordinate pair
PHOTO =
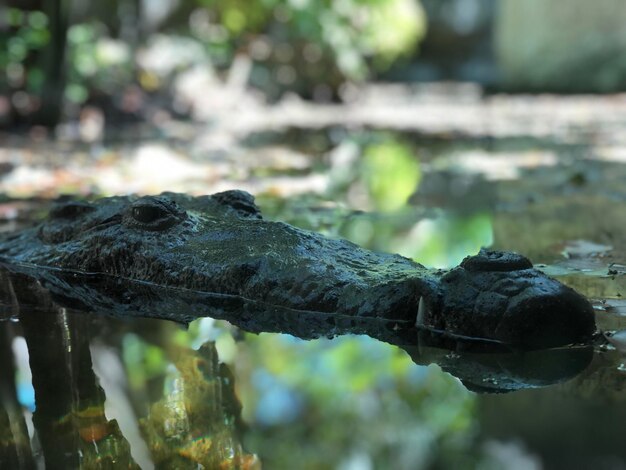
(220, 245)
(196, 421)
(481, 366)
(195, 424)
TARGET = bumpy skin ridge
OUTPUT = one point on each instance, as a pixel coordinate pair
(221, 244)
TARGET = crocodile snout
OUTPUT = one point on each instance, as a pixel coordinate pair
(500, 296)
(546, 314)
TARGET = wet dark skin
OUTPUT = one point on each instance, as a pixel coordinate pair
(221, 244)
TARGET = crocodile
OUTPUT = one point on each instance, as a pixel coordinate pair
(221, 245)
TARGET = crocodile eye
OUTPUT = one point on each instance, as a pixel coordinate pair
(151, 213)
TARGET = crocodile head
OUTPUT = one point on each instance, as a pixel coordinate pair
(220, 244)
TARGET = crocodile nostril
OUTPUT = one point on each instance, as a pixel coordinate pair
(500, 261)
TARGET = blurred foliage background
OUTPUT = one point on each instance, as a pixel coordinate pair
(126, 58)
(60, 56)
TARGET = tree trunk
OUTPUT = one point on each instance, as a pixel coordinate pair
(53, 63)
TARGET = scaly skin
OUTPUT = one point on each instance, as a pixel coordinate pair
(221, 244)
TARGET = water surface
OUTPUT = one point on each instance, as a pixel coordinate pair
(86, 389)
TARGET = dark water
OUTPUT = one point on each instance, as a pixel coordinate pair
(82, 389)
(85, 389)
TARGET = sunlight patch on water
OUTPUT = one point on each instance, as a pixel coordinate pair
(23, 379)
(504, 165)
